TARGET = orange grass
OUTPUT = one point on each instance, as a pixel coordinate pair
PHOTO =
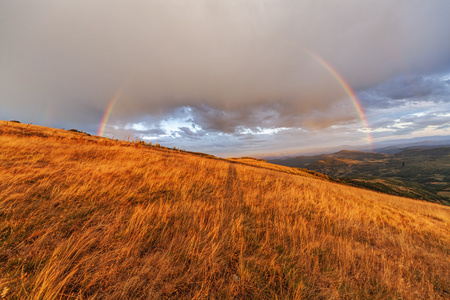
(89, 218)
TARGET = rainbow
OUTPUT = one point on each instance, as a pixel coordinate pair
(348, 90)
(108, 111)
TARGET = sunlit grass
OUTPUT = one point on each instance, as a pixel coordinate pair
(93, 218)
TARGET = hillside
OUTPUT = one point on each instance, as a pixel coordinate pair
(84, 217)
(414, 173)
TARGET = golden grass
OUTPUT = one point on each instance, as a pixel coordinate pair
(89, 218)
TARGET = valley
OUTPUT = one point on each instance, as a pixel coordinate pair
(415, 173)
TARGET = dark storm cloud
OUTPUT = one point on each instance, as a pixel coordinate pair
(218, 74)
(156, 131)
(232, 121)
(271, 115)
(188, 132)
(230, 56)
(406, 89)
(214, 120)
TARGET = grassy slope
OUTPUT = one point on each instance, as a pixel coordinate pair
(91, 218)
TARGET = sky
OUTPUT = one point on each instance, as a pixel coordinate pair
(229, 78)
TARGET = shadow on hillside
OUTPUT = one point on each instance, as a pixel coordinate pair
(233, 190)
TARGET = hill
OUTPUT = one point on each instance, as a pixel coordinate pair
(91, 218)
(416, 173)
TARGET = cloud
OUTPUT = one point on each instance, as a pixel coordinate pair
(411, 123)
(235, 64)
(406, 89)
(229, 55)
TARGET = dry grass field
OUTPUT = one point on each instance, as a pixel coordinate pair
(85, 217)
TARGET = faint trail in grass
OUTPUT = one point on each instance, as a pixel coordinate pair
(233, 189)
(232, 204)
(233, 229)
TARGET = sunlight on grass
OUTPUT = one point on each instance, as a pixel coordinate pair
(90, 218)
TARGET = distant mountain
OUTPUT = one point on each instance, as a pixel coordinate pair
(395, 146)
(387, 147)
(397, 149)
(304, 161)
(413, 172)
